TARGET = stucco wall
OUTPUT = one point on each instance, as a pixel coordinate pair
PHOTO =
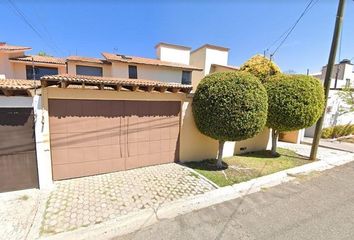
(171, 54)
(198, 59)
(163, 74)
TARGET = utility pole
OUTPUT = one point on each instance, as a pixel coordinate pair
(327, 81)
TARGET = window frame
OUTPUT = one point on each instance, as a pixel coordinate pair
(132, 75)
(89, 67)
(29, 71)
(189, 80)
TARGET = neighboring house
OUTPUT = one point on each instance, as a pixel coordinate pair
(95, 116)
(342, 76)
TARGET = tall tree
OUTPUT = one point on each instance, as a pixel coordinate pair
(294, 102)
(230, 106)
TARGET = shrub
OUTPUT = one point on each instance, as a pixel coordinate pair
(338, 131)
(295, 102)
(261, 67)
(230, 106)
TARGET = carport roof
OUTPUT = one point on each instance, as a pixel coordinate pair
(13, 87)
(108, 83)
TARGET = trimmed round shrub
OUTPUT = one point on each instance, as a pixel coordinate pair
(261, 67)
(230, 106)
(295, 101)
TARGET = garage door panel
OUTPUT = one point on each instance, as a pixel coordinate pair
(127, 134)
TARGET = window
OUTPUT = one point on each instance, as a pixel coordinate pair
(186, 77)
(89, 71)
(133, 72)
(39, 72)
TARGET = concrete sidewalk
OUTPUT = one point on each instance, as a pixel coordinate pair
(328, 143)
(315, 206)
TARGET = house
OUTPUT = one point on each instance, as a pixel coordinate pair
(118, 112)
(342, 76)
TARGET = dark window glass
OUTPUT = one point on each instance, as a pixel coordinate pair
(187, 77)
(133, 72)
(40, 72)
(89, 71)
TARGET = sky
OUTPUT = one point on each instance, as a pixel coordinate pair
(87, 28)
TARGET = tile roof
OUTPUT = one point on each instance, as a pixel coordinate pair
(103, 82)
(87, 59)
(147, 61)
(40, 59)
(6, 47)
(19, 84)
(18, 87)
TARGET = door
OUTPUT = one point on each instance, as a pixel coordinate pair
(18, 165)
(90, 137)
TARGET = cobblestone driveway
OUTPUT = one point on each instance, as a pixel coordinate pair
(90, 200)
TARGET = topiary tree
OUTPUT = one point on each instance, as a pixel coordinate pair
(230, 106)
(261, 67)
(294, 102)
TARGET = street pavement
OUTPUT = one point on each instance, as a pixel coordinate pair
(329, 143)
(317, 206)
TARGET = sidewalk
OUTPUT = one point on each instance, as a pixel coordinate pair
(327, 143)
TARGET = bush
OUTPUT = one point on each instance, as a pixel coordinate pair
(230, 106)
(261, 67)
(295, 102)
(338, 131)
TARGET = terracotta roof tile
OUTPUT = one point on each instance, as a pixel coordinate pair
(18, 84)
(87, 59)
(109, 82)
(147, 61)
(6, 47)
(40, 59)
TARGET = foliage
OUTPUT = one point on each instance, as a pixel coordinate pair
(261, 67)
(347, 95)
(295, 101)
(44, 54)
(230, 106)
(247, 166)
(338, 131)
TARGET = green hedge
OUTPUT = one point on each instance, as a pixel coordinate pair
(295, 101)
(230, 106)
(338, 131)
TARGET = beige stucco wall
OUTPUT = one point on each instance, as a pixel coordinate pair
(194, 146)
(6, 67)
(198, 60)
(106, 68)
(163, 74)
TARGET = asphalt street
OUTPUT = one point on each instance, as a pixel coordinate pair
(317, 206)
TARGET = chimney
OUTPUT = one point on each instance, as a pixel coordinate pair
(173, 53)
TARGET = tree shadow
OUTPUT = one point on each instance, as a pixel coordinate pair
(206, 165)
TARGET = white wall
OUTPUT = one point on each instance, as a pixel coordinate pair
(215, 56)
(170, 54)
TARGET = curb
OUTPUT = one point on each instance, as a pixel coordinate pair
(328, 147)
(138, 220)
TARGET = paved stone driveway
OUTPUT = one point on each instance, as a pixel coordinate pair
(91, 200)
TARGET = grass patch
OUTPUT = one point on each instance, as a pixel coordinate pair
(247, 166)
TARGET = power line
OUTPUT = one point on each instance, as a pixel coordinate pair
(287, 33)
(32, 27)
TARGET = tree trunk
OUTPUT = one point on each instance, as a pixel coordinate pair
(221, 149)
(275, 135)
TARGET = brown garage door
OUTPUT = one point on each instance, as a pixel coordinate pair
(97, 136)
(18, 165)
